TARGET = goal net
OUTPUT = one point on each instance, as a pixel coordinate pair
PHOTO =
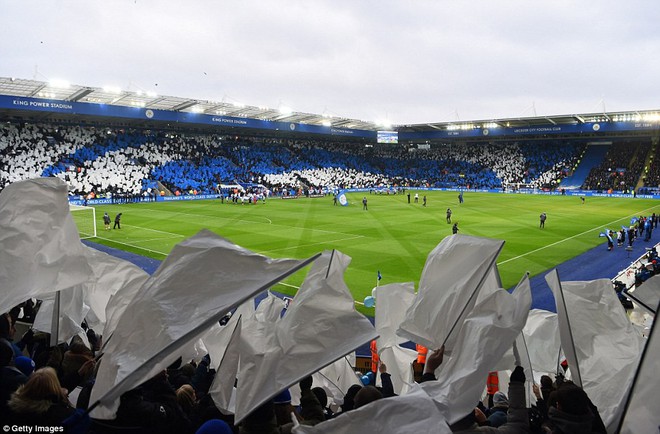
(85, 218)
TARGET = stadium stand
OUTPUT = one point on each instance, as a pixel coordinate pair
(106, 161)
(593, 156)
(620, 169)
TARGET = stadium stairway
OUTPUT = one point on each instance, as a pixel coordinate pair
(592, 157)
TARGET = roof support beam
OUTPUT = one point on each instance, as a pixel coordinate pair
(184, 105)
(80, 94)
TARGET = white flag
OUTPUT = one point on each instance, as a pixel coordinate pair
(337, 378)
(222, 388)
(568, 343)
(489, 331)
(648, 294)
(398, 361)
(412, 413)
(219, 341)
(453, 274)
(40, 250)
(542, 339)
(606, 348)
(72, 311)
(110, 276)
(202, 279)
(392, 301)
(642, 413)
(320, 327)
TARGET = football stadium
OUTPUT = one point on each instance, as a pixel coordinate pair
(181, 265)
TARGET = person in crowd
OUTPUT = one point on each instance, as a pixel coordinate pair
(25, 364)
(571, 411)
(187, 400)
(283, 408)
(263, 419)
(542, 395)
(498, 412)
(322, 396)
(40, 401)
(11, 378)
(77, 365)
(476, 422)
(7, 332)
(214, 426)
(366, 395)
(153, 406)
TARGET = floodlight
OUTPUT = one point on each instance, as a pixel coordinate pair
(60, 84)
(285, 110)
(112, 89)
(327, 123)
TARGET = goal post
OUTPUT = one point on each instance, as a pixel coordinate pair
(85, 218)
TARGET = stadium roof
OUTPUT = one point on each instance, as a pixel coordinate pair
(538, 121)
(113, 96)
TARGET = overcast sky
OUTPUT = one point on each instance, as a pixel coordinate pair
(402, 61)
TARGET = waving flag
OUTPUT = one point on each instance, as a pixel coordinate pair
(165, 315)
(40, 250)
(601, 345)
(321, 326)
(454, 273)
(641, 409)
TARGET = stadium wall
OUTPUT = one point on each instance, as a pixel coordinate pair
(585, 193)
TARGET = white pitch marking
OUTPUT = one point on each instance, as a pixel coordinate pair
(134, 246)
(574, 236)
(312, 244)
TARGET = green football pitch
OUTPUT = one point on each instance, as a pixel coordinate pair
(392, 236)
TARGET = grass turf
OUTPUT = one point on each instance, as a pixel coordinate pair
(392, 236)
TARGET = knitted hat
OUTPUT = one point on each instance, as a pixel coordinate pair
(283, 398)
(25, 365)
(500, 400)
(214, 426)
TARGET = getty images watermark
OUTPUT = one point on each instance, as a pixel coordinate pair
(32, 428)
